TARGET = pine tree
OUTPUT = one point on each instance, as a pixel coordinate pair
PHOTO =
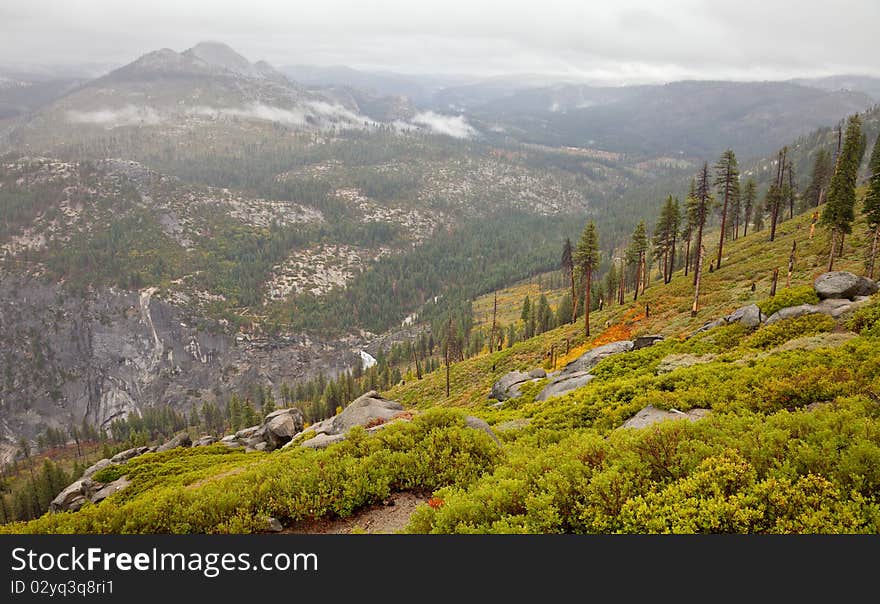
(635, 256)
(564, 310)
(820, 178)
(666, 235)
(543, 315)
(700, 209)
(776, 193)
(268, 402)
(749, 196)
(839, 211)
(528, 319)
(690, 222)
(587, 258)
(568, 272)
(727, 184)
(511, 334)
(872, 205)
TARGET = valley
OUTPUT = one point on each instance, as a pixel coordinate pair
(193, 243)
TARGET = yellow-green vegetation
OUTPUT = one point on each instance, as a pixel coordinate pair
(794, 296)
(215, 490)
(866, 320)
(791, 443)
(510, 299)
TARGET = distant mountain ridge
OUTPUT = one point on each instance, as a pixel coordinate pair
(203, 59)
(869, 85)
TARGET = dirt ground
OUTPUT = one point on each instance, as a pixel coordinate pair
(390, 517)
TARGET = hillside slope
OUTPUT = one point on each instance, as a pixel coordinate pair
(789, 439)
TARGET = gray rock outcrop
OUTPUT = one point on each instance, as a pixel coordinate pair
(362, 411)
(591, 358)
(281, 426)
(277, 429)
(370, 410)
(181, 440)
(113, 353)
(651, 415)
(128, 454)
(97, 467)
(564, 384)
(748, 316)
(102, 493)
(710, 325)
(646, 341)
(476, 423)
(78, 493)
(836, 308)
(322, 440)
(507, 386)
(842, 284)
(577, 373)
(72, 498)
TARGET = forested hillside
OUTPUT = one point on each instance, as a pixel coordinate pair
(779, 430)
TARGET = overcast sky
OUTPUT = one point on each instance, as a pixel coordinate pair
(621, 41)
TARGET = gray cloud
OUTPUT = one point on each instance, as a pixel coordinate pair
(125, 116)
(454, 126)
(623, 41)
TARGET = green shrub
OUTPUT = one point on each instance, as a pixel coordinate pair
(866, 320)
(789, 329)
(794, 296)
(111, 473)
(807, 471)
(208, 490)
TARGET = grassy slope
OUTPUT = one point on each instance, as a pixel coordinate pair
(747, 260)
(758, 464)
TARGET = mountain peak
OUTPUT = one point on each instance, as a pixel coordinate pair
(220, 55)
(205, 58)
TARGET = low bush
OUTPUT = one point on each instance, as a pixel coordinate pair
(794, 296)
(195, 492)
(866, 320)
(789, 329)
(744, 472)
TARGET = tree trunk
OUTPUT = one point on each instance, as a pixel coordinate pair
(873, 256)
(492, 333)
(699, 253)
(698, 270)
(687, 256)
(447, 353)
(840, 247)
(574, 298)
(831, 255)
(671, 260)
(638, 280)
(416, 362)
(773, 282)
(774, 214)
(723, 218)
(791, 260)
(588, 277)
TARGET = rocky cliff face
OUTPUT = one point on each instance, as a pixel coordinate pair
(102, 355)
